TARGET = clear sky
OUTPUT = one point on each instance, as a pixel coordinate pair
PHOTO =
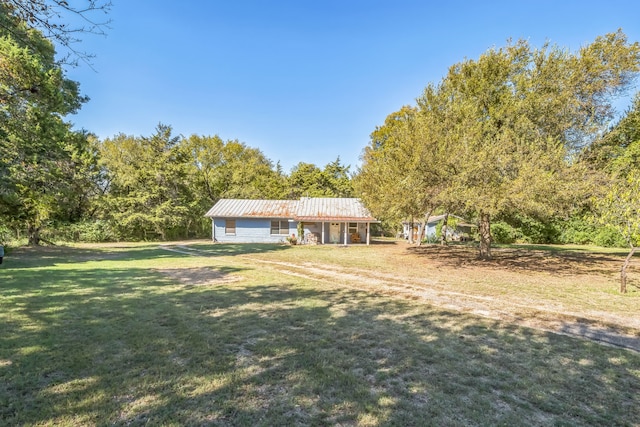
(303, 81)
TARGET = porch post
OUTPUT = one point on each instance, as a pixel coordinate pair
(322, 238)
(346, 230)
(213, 229)
(368, 233)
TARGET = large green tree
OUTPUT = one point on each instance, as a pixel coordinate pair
(308, 180)
(161, 186)
(34, 139)
(228, 169)
(338, 179)
(518, 117)
(146, 196)
(397, 179)
(82, 179)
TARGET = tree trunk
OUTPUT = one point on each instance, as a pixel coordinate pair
(411, 231)
(423, 228)
(34, 235)
(443, 230)
(623, 271)
(485, 235)
(186, 229)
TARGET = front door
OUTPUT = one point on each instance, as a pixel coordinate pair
(334, 232)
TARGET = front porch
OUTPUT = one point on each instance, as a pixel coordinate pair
(334, 232)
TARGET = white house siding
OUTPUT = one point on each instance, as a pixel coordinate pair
(462, 228)
(250, 230)
(431, 230)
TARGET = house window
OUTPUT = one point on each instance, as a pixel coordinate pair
(230, 226)
(353, 227)
(280, 227)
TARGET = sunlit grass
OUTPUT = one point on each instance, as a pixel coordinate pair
(571, 279)
(113, 336)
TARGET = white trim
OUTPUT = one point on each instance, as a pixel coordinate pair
(368, 233)
(346, 231)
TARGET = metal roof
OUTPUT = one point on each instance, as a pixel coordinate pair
(305, 209)
(235, 208)
(332, 209)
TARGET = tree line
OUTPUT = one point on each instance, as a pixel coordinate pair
(159, 187)
(155, 187)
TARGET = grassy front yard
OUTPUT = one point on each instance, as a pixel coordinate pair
(133, 334)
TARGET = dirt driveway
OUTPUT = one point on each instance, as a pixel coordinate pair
(442, 270)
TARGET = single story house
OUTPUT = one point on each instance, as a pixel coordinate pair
(461, 231)
(310, 220)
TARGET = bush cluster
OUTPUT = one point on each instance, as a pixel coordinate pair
(86, 231)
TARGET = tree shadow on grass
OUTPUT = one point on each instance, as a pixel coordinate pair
(45, 256)
(227, 249)
(381, 241)
(557, 262)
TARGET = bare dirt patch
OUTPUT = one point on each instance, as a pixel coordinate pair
(199, 276)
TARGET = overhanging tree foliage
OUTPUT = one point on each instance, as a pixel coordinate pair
(617, 153)
(53, 19)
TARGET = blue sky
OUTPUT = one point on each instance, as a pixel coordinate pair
(303, 81)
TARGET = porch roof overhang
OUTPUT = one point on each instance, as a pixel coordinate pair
(334, 219)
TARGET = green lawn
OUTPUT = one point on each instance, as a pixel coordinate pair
(133, 334)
